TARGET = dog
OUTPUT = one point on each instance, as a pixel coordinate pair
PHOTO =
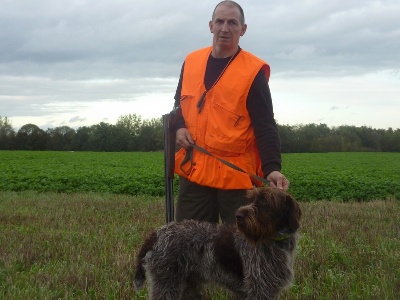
(253, 259)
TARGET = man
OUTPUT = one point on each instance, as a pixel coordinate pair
(226, 108)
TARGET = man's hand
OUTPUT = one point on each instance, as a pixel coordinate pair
(183, 138)
(276, 179)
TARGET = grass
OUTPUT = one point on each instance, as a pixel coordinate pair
(83, 246)
(78, 246)
(348, 251)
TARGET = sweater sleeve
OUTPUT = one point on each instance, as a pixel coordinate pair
(259, 105)
(179, 121)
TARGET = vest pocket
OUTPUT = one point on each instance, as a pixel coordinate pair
(226, 131)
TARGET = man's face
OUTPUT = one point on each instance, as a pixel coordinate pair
(226, 26)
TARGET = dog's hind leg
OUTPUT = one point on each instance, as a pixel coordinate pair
(193, 288)
(166, 290)
(176, 288)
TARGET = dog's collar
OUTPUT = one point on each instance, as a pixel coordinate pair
(282, 235)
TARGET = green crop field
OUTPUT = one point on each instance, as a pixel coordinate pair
(316, 176)
(131, 173)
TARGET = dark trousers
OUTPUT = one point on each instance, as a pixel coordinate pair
(208, 204)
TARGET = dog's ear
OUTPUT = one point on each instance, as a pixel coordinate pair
(251, 195)
(294, 213)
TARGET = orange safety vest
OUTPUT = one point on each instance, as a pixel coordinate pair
(223, 127)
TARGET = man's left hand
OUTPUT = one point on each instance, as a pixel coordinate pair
(278, 180)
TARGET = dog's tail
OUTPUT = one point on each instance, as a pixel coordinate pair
(140, 273)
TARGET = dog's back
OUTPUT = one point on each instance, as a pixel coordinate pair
(188, 248)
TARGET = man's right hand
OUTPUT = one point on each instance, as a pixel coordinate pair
(183, 138)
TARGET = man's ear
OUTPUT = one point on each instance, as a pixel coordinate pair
(210, 24)
(244, 28)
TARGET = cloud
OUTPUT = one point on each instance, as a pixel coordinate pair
(59, 59)
(76, 119)
(339, 107)
(339, 37)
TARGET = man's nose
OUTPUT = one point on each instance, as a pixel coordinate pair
(225, 26)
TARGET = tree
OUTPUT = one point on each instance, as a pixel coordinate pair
(131, 122)
(391, 140)
(370, 138)
(151, 135)
(98, 140)
(60, 138)
(7, 134)
(349, 140)
(81, 139)
(31, 137)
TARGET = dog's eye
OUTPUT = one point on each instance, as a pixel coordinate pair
(260, 203)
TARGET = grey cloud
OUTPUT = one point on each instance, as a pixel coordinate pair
(118, 33)
(76, 119)
(152, 38)
(54, 53)
(332, 37)
(339, 107)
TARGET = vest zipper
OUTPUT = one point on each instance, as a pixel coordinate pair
(200, 104)
(237, 121)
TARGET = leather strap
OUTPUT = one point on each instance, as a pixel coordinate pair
(189, 158)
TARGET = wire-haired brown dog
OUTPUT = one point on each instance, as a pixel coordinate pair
(254, 259)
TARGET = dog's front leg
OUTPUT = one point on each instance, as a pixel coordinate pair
(263, 295)
(258, 290)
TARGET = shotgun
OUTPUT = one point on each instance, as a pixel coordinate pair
(169, 163)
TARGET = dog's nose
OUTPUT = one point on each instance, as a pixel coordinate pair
(239, 216)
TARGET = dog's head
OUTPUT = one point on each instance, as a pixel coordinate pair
(270, 211)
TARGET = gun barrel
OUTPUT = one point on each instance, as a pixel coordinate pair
(169, 164)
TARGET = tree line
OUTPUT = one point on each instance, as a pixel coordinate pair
(132, 133)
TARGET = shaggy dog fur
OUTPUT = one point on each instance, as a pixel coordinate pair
(253, 259)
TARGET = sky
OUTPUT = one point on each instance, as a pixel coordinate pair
(81, 62)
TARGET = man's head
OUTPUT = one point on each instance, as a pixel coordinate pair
(227, 26)
(231, 3)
